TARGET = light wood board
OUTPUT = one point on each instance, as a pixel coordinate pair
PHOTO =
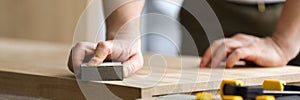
(39, 69)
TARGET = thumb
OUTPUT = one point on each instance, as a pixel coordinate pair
(102, 50)
(133, 64)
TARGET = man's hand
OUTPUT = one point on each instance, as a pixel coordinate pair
(131, 57)
(122, 38)
(78, 54)
(270, 51)
(262, 51)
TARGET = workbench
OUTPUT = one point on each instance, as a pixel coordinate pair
(39, 69)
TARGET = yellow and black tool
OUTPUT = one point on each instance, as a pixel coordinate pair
(204, 96)
(271, 90)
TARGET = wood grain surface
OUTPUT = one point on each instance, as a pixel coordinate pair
(34, 68)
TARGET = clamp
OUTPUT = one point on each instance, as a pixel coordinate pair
(271, 90)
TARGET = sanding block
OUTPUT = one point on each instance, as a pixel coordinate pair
(107, 71)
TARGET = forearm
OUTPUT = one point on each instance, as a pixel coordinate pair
(127, 11)
(287, 34)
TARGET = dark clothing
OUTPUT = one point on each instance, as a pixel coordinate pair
(234, 18)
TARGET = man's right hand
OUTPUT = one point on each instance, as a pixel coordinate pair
(130, 56)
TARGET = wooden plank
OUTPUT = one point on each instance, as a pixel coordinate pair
(39, 69)
(33, 85)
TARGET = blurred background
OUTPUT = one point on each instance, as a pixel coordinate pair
(46, 20)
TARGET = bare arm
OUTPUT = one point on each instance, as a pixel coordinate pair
(126, 10)
(287, 34)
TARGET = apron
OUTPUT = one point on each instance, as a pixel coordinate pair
(234, 18)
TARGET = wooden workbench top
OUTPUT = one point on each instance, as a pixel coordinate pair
(39, 69)
(34, 57)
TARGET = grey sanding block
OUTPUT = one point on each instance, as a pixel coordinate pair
(108, 71)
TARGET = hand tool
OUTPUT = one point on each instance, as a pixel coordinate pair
(234, 90)
(107, 71)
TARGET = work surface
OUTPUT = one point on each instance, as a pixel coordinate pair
(39, 69)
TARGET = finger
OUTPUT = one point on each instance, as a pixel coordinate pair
(238, 54)
(70, 62)
(78, 54)
(230, 43)
(218, 55)
(205, 62)
(206, 58)
(103, 49)
(133, 64)
(221, 53)
(208, 53)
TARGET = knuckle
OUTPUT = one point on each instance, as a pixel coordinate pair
(227, 49)
(79, 44)
(103, 46)
(238, 35)
(239, 52)
(217, 42)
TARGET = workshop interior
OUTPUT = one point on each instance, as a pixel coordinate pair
(149, 50)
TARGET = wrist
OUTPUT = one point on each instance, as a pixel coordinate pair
(287, 45)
